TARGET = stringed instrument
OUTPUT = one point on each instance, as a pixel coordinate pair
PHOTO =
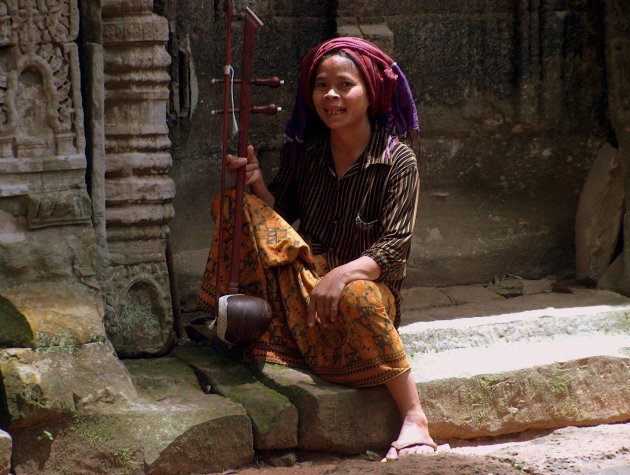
(241, 319)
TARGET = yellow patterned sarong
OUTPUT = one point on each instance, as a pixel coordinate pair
(361, 348)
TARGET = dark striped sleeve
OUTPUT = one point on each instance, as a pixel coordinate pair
(392, 248)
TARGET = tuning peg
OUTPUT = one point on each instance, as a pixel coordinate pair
(272, 81)
(268, 109)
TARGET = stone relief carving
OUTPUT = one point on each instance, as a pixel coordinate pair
(137, 314)
(41, 117)
(28, 23)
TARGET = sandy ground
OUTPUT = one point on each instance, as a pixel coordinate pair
(601, 450)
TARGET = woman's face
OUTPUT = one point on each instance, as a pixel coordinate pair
(339, 95)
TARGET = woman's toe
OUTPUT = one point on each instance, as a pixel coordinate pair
(392, 454)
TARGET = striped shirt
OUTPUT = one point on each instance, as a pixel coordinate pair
(369, 211)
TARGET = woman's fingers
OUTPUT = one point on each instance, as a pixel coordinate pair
(234, 163)
(324, 303)
(252, 168)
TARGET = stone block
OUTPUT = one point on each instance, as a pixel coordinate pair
(5, 453)
(274, 418)
(49, 383)
(524, 364)
(335, 418)
(581, 392)
(139, 321)
(97, 422)
(50, 314)
(181, 429)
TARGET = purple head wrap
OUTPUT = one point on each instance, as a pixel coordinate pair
(391, 101)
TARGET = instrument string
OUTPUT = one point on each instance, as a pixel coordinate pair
(234, 121)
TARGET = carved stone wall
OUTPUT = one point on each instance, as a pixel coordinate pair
(138, 191)
(48, 289)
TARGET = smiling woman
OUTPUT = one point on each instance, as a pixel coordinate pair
(349, 178)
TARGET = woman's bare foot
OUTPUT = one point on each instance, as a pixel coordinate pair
(414, 438)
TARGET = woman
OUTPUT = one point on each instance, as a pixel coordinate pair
(334, 288)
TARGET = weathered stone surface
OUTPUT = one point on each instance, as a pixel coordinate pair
(599, 215)
(49, 383)
(187, 265)
(531, 318)
(274, 418)
(51, 313)
(5, 453)
(417, 298)
(580, 392)
(377, 33)
(461, 294)
(470, 238)
(80, 413)
(186, 431)
(334, 418)
(94, 100)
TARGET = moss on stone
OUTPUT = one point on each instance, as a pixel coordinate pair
(64, 341)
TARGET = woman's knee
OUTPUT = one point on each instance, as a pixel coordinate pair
(359, 294)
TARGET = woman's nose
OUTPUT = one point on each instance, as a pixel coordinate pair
(331, 93)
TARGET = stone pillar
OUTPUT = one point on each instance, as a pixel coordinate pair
(138, 191)
(618, 69)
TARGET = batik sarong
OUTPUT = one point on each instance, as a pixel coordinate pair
(361, 348)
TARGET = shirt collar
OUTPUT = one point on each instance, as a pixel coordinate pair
(375, 152)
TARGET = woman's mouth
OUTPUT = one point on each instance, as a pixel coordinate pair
(335, 111)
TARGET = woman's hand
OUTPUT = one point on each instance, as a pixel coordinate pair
(326, 295)
(252, 167)
(325, 298)
(253, 174)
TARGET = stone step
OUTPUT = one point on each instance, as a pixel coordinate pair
(334, 418)
(485, 369)
(538, 361)
(528, 318)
